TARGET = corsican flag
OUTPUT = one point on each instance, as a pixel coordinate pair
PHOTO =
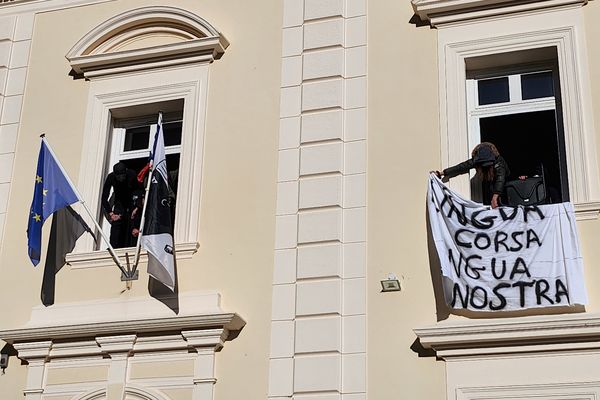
(157, 236)
(52, 191)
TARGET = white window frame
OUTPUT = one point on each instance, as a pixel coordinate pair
(560, 28)
(119, 92)
(515, 105)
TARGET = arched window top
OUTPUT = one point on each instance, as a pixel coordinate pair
(143, 38)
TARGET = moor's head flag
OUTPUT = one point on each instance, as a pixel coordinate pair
(508, 258)
(157, 235)
(52, 191)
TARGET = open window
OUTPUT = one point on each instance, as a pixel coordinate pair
(132, 75)
(131, 141)
(513, 60)
(513, 101)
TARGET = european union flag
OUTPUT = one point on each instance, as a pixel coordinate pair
(52, 191)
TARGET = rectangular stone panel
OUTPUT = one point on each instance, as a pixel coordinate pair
(321, 191)
(321, 158)
(320, 226)
(318, 297)
(318, 334)
(317, 261)
(317, 373)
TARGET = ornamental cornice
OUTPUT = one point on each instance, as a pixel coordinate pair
(442, 12)
(471, 338)
(198, 311)
(124, 43)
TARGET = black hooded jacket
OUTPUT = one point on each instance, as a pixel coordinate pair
(501, 173)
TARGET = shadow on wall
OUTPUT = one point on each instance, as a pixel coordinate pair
(418, 22)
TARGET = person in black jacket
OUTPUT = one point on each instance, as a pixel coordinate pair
(123, 182)
(490, 166)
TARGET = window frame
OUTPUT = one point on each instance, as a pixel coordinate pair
(187, 83)
(561, 29)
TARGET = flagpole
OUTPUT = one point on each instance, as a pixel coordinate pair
(111, 250)
(150, 171)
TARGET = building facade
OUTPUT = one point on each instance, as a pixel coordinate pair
(300, 135)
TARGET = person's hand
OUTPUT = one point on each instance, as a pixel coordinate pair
(135, 232)
(522, 177)
(495, 200)
(437, 173)
(114, 217)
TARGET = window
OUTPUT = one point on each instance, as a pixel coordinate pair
(130, 80)
(513, 58)
(131, 141)
(515, 107)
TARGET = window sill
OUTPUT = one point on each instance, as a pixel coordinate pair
(587, 210)
(102, 258)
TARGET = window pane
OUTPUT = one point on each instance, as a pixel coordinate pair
(492, 91)
(137, 138)
(535, 86)
(172, 133)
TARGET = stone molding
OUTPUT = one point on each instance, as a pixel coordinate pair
(441, 12)
(198, 311)
(511, 335)
(99, 52)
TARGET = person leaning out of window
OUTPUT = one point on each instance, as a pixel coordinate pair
(491, 168)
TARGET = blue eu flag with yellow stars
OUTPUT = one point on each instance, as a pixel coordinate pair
(52, 191)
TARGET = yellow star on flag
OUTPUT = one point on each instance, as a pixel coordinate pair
(37, 217)
(44, 192)
(38, 179)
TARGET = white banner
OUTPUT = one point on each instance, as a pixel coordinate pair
(505, 259)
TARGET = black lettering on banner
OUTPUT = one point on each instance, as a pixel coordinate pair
(433, 196)
(498, 276)
(514, 236)
(486, 243)
(474, 270)
(473, 294)
(561, 290)
(463, 300)
(484, 223)
(460, 217)
(499, 239)
(533, 237)
(528, 209)
(522, 285)
(500, 297)
(451, 259)
(458, 241)
(541, 292)
(518, 262)
(506, 217)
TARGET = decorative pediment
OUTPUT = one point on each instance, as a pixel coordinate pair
(144, 38)
(439, 12)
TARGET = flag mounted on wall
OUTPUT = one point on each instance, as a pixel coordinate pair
(157, 233)
(52, 191)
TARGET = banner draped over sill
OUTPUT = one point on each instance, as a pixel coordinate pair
(505, 259)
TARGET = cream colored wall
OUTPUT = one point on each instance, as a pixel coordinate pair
(403, 146)
(589, 231)
(238, 191)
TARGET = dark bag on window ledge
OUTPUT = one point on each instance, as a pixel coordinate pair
(527, 192)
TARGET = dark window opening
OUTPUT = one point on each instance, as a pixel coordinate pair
(492, 91)
(538, 85)
(531, 144)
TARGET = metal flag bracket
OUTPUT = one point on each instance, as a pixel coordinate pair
(129, 274)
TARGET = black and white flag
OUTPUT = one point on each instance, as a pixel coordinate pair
(157, 236)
